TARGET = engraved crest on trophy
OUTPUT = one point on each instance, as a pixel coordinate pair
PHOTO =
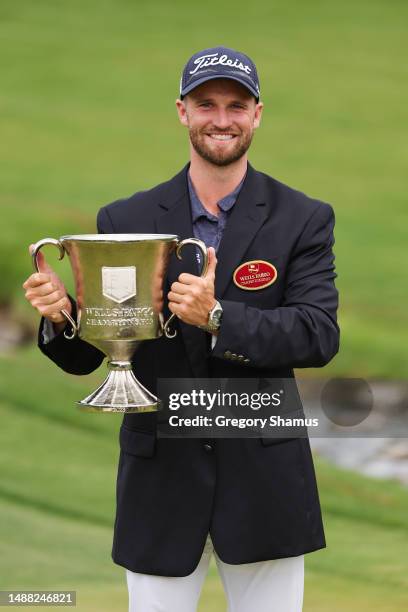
(119, 283)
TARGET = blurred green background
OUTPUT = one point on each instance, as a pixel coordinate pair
(87, 116)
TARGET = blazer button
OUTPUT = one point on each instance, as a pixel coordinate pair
(246, 360)
(240, 358)
(234, 357)
(208, 448)
(227, 354)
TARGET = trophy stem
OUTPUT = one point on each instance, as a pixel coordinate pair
(120, 392)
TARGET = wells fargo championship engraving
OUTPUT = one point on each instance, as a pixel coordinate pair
(142, 315)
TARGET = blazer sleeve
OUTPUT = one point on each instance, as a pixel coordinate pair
(75, 356)
(303, 331)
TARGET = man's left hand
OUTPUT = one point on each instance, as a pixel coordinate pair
(192, 297)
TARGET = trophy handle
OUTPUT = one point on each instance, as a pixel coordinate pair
(37, 247)
(200, 244)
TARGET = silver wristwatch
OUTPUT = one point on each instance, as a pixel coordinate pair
(214, 319)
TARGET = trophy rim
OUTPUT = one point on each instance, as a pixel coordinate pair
(120, 237)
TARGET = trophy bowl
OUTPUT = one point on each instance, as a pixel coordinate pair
(119, 281)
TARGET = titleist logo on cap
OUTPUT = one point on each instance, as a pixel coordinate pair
(212, 59)
(219, 63)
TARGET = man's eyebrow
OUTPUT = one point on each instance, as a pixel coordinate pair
(204, 100)
(198, 100)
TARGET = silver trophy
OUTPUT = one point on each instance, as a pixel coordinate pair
(119, 292)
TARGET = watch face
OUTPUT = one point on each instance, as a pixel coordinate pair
(216, 315)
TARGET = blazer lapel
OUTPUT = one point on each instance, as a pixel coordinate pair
(176, 219)
(247, 216)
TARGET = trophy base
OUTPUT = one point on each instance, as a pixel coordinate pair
(120, 392)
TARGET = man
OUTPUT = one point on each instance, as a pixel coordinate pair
(257, 498)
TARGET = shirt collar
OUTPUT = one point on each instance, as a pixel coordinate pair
(225, 204)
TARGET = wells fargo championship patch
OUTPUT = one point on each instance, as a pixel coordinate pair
(256, 274)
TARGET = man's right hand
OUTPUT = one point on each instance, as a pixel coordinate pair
(46, 292)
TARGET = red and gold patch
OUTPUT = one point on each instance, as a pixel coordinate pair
(256, 274)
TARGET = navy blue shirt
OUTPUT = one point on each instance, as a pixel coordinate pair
(206, 226)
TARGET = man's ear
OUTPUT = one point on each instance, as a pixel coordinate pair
(182, 112)
(258, 114)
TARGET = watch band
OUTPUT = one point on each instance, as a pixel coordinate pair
(214, 319)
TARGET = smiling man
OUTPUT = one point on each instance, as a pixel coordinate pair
(221, 116)
(266, 305)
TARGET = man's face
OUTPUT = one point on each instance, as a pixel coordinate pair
(221, 116)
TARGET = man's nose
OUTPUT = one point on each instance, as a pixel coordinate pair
(221, 119)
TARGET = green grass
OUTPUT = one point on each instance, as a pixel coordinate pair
(87, 116)
(57, 489)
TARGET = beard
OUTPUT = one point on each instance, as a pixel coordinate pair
(217, 155)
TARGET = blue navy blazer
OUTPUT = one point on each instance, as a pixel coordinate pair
(258, 498)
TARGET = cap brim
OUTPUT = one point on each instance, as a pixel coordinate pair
(192, 86)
